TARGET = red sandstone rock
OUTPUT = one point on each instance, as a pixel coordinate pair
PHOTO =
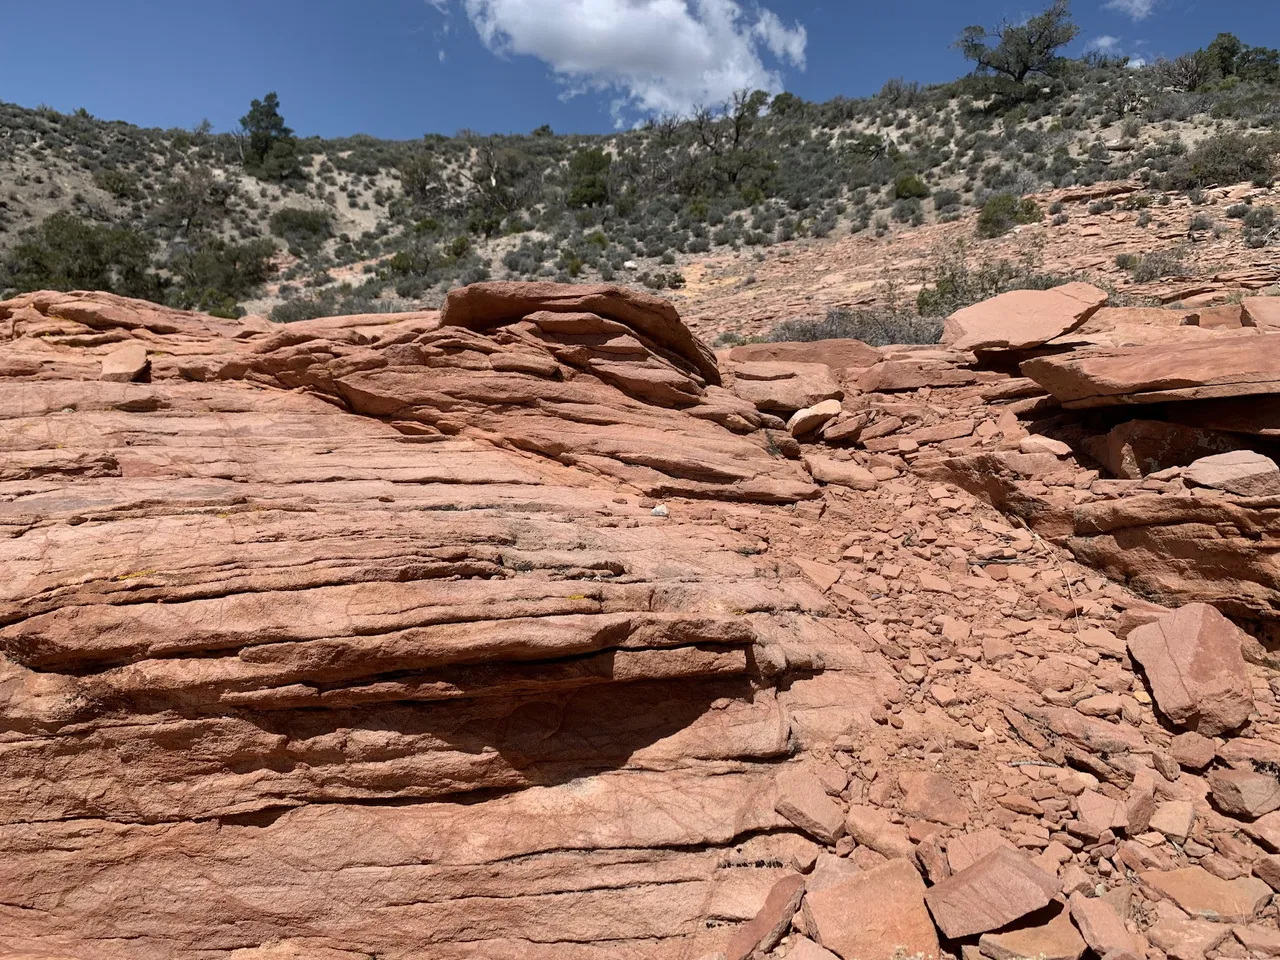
(1197, 673)
(1101, 926)
(836, 354)
(1201, 894)
(762, 933)
(785, 387)
(126, 363)
(483, 305)
(879, 913)
(802, 800)
(1243, 472)
(997, 890)
(1224, 367)
(1242, 793)
(1052, 939)
(871, 828)
(1022, 318)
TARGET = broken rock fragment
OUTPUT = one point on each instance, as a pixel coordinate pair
(127, 363)
(1242, 472)
(803, 801)
(879, 913)
(1243, 793)
(1002, 887)
(1193, 661)
(762, 932)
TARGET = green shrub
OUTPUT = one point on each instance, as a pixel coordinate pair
(1260, 226)
(67, 253)
(908, 186)
(1156, 265)
(302, 229)
(1201, 221)
(121, 184)
(951, 282)
(1126, 261)
(218, 274)
(877, 328)
(1226, 158)
(1003, 211)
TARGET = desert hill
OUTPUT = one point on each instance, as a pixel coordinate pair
(266, 222)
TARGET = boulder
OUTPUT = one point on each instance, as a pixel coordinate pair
(1054, 938)
(785, 387)
(1222, 367)
(127, 363)
(1002, 887)
(1244, 793)
(1193, 662)
(1242, 472)
(871, 828)
(1101, 926)
(896, 375)
(806, 421)
(1022, 319)
(1192, 751)
(1262, 312)
(879, 913)
(1182, 939)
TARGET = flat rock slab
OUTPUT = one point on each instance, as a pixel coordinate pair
(1022, 319)
(785, 387)
(127, 363)
(1193, 661)
(1201, 894)
(1002, 887)
(1262, 312)
(1101, 926)
(1223, 367)
(1242, 472)
(842, 473)
(874, 914)
(1187, 939)
(1052, 939)
(836, 354)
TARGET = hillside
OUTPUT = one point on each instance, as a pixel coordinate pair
(268, 223)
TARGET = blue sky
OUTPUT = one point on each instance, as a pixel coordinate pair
(402, 68)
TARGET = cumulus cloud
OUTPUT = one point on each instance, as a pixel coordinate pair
(1104, 44)
(653, 56)
(1137, 9)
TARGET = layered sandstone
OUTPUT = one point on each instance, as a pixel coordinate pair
(530, 630)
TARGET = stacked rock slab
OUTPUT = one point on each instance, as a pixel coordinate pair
(519, 636)
(306, 638)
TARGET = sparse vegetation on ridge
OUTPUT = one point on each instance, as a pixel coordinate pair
(267, 220)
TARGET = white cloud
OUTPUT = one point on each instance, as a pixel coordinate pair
(1137, 9)
(1136, 63)
(1103, 44)
(653, 56)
